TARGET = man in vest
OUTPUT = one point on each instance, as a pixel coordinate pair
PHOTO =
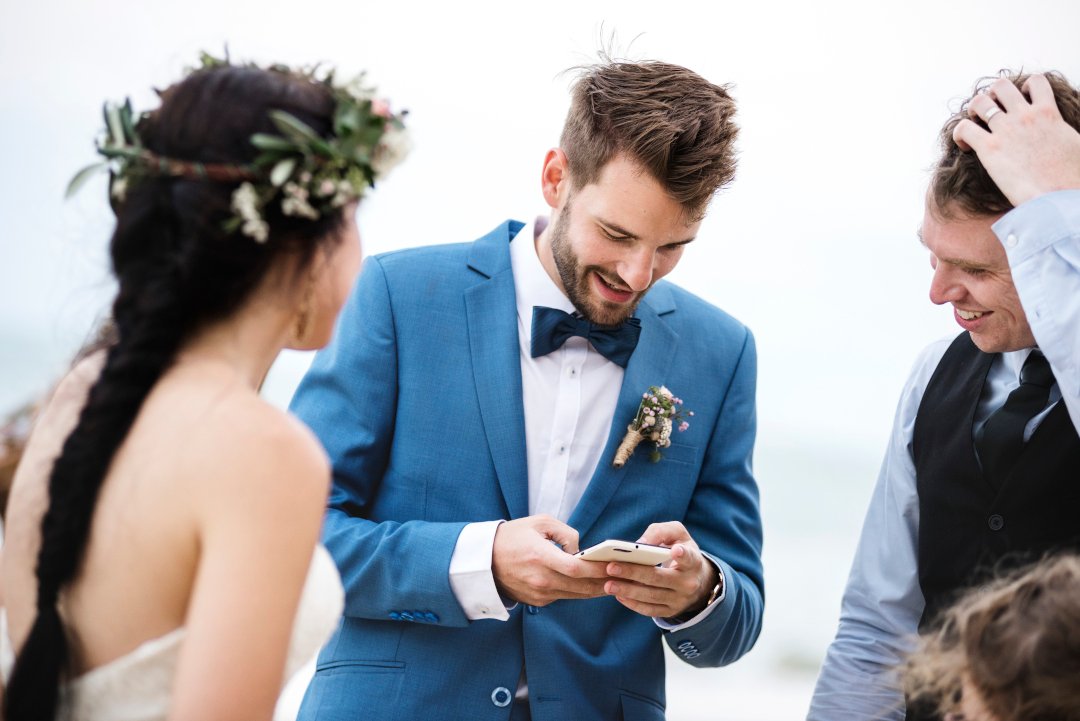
(982, 472)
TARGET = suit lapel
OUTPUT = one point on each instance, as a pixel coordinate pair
(491, 313)
(648, 366)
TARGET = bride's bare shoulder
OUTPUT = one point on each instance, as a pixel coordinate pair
(247, 444)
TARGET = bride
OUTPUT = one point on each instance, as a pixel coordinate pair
(161, 556)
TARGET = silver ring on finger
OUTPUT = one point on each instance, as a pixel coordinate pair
(990, 114)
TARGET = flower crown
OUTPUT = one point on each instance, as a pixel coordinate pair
(309, 175)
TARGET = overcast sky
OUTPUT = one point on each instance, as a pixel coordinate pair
(813, 245)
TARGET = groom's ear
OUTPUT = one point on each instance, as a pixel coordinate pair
(555, 178)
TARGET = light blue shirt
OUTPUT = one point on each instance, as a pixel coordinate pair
(883, 602)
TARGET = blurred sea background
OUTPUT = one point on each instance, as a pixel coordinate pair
(813, 246)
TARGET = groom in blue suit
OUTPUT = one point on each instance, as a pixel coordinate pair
(472, 403)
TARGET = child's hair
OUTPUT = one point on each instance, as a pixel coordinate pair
(1016, 643)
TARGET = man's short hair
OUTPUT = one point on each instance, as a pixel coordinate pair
(960, 183)
(674, 123)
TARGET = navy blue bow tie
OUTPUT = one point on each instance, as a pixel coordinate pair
(551, 327)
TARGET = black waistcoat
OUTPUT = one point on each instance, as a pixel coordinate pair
(968, 530)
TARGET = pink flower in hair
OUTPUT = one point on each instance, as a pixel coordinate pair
(381, 108)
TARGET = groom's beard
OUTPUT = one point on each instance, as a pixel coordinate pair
(577, 281)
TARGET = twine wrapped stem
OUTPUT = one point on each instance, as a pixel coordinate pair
(626, 449)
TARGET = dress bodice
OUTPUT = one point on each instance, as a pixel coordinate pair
(138, 685)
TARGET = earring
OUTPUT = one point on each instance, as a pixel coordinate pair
(303, 313)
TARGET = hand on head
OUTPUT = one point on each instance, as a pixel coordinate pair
(1029, 150)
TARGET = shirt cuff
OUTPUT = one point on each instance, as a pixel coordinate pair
(471, 578)
(703, 613)
(1037, 224)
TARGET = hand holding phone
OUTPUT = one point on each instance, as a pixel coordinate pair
(530, 566)
(684, 586)
(642, 554)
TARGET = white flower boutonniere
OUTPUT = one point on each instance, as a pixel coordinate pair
(656, 418)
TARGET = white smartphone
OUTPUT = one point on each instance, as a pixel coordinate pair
(626, 552)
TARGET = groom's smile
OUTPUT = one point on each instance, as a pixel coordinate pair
(611, 291)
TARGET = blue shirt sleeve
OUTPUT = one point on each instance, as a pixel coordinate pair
(1042, 239)
(882, 602)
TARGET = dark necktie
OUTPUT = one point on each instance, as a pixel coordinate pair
(551, 327)
(1001, 439)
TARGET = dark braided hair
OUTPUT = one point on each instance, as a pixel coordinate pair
(177, 269)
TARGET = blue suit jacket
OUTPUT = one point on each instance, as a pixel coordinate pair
(418, 401)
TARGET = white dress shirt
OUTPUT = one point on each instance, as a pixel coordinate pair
(569, 399)
(883, 600)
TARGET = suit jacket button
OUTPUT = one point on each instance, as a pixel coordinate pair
(406, 616)
(395, 616)
(532, 610)
(501, 697)
(995, 522)
(431, 617)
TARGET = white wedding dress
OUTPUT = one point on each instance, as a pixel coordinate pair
(138, 685)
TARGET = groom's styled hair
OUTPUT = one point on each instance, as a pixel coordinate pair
(960, 183)
(674, 123)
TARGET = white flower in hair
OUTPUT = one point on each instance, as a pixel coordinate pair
(391, 150)
(343, 193)
(358, 89)
(119, 189)
(245, 203)
(296, 202)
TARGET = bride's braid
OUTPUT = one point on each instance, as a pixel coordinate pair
(177, 269)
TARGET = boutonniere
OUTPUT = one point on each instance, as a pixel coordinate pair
(656, 417)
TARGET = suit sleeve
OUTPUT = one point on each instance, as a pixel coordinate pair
(390, 570)
(725, 520)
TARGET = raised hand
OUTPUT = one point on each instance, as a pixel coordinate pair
(530, 568)
(681, 589)
(1029, 150)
